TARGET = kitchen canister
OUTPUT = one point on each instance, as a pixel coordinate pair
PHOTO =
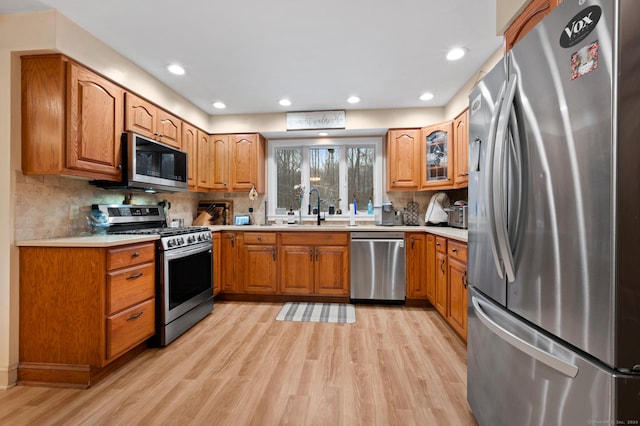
(411, 216)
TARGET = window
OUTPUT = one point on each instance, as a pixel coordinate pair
(340, 169)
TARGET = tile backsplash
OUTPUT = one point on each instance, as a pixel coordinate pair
(57, 206)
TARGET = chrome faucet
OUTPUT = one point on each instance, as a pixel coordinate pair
(317, 192)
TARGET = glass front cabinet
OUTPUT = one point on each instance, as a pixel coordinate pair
(437, 156)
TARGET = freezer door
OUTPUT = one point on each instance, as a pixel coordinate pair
(485, 269)
(564, 260)
(517, 375)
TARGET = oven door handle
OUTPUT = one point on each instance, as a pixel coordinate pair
(187, 251)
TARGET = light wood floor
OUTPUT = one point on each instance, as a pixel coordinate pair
(239, 366)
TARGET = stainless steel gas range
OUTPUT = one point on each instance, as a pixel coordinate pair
(184, 267)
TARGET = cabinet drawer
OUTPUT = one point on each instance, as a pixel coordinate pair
(127, 287)
(441, 244)
(121, 257)
(318, 238)
(260, 238)
(457, 250)
(130, 328)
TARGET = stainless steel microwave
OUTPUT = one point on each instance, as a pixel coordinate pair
(149, 166)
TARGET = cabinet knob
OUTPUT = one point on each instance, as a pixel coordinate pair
(259, 237)
(455, 250)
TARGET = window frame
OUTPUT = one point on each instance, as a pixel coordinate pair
(305, 145)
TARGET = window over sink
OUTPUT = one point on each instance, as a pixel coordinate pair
(338, 168)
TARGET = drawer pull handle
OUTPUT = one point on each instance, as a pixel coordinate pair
(135, 254)
(438, 244)
(135, 316)
(134, 276)
(259, 237)
(455, 250)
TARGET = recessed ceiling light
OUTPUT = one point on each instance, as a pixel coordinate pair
(323, 134)
(455, 54)
(284, 102)
(219, 105)
(353, 99)
(175, 69)
(426, 96)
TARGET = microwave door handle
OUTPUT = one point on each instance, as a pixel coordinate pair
(499, 181)
(489, 186)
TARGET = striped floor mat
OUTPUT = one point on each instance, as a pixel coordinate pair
(317, 312)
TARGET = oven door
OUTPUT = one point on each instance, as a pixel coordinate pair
(185, 280)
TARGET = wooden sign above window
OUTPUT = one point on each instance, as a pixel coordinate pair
(312, 120)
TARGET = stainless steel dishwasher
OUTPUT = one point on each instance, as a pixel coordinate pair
(378, 267)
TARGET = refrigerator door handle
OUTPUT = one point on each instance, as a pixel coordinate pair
(499, 209)
(495, 122)
(538, 354)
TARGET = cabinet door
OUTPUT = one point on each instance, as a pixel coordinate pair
(260, 269)
(190, 145)
(168, 129)
(430, 268)
(416, 265)
(437, 156)
(228, 256)
(332, 270)
(244, 162)
(461, 141)
(217, 261)
(219, 162)
(296, 269)
(441, 284)
(205, 155)
(95, 124)
(457, 317)
(403, 159)
(140, 116)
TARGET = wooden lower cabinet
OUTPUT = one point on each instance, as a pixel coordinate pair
(216, 241)
(416, 265)
(228, 262)
(259, 260)
(314, 263)
(448, 280)
(457, 263)
(83, 311)
(442, 283)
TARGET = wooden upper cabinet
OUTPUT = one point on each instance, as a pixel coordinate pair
(146, 119)
(530, 16)
(141, 116)
(219, 163)
(169, 129)
(461, 141)
(72, 119)
(403, 159)
(190, 146)
(204, 160)
(438, 156)
(247, 156)
(95, 120)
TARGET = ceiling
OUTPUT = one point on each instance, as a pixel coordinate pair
(250, 54)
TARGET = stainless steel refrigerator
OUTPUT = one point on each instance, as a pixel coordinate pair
(554, 223)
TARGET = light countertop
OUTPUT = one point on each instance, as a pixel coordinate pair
(444, 231)
(88, 241)
(116, 240)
